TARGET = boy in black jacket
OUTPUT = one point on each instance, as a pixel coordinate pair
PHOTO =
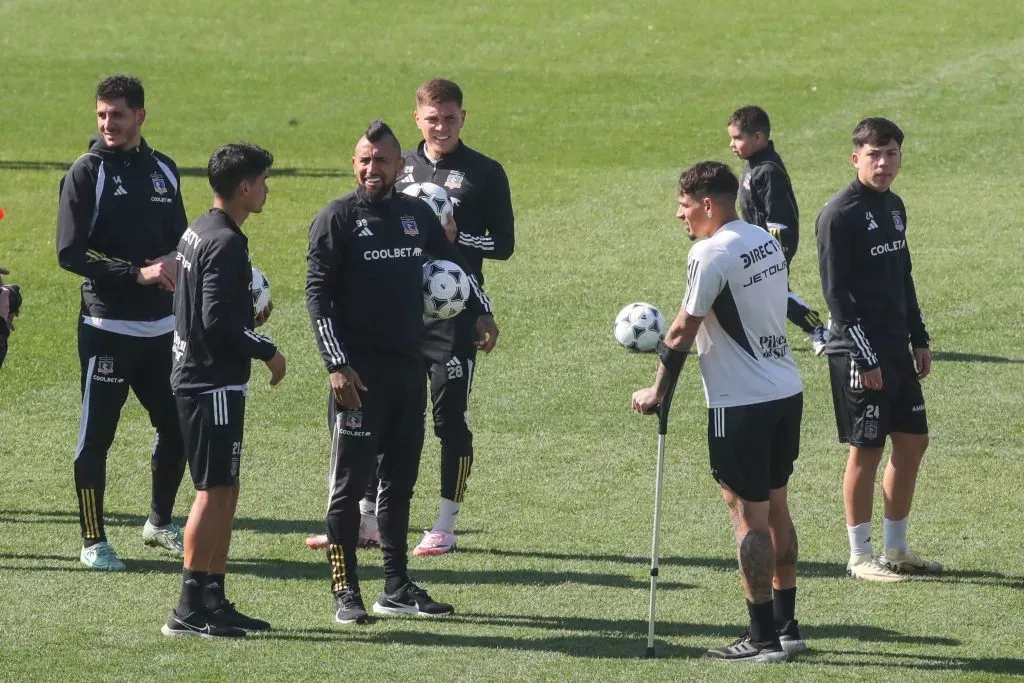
(214, 343)
(766, 199)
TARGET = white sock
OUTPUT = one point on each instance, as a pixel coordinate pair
(367, 507)
(446, 517)
(895, 533)
(860, 539)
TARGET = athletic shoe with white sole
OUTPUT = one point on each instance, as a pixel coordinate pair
(225, 614)
(168, 536)
(744, 650)
(101, 556)
(198, 624)
(908, 562)
(317, 542)
(869, 568)
(349, 608)
(369, 533)
(819, 338)
(790, 638)
(435, 543)
(411, 599)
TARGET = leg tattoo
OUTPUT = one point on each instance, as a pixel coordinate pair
(757, 560)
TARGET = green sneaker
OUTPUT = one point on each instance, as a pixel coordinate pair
(102, 557)
(168, 536)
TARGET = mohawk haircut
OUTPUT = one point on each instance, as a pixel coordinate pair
(378, 130)
(438, 91)
(751, 119)
(877, 132)
(709, 179)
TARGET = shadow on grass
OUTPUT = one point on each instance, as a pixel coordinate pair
(960, 357)
(119, 519)
(192, 171)
(806, 568)
(316, 571)
(899, 660)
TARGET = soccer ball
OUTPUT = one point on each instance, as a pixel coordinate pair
(435, 197)
(260, 288)
(445, 289)
(639, 327)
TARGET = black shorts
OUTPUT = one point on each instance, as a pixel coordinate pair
(753, 447)
(211, 426)
(864, 417)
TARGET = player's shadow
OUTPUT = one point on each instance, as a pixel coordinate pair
(915, 662)
(119, 519)
(805, 568)
(191, 171)
(959, 357)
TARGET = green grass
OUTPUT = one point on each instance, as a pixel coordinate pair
(594, 109)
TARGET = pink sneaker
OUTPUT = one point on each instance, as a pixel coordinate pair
(435, 543)
(318, 542)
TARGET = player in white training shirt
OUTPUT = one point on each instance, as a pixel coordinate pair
(735, 309)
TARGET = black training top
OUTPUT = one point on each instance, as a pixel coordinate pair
(364, 281)
(119, 208)
(766, 196)
(866, 275)
(214, 341)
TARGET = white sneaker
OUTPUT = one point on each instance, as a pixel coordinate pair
(908, 562)
(101, 556)
(435, 543)
(168, 536)
(369, 533)
(871, 569)
(819, 338)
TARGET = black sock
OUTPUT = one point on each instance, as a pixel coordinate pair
(193, 584)
(784, 601)
(393, 583)
(90, 542)
(213, 594)
(762, 622)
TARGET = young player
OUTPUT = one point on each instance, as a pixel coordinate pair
(766, 199)
(366, 253)
(120, 217)
(876, 321)
(214, 344)
(735, 309)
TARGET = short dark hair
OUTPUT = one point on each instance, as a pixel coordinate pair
(438, 91)
(115, 87)
(709, 179)
(876, 131)
(235, 162)
(378, 130)
(751, 119)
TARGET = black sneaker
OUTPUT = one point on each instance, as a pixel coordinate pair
(199, 624)
(349, 608)
(790, 639)
(744, 650)
(411, 599)
(225, 614)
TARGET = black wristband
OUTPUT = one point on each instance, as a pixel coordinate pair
(672, 359)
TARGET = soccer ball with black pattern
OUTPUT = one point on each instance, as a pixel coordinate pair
(435, 196)
(445, 289)
(260, 288)
(639, 327)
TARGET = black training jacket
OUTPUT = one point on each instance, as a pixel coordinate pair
(766, 196)
(118, 209)
(866, 275)
(478, 188)
(364, 274)
(214, 341)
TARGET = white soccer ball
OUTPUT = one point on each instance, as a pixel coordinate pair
(445, 289)
(639, 327)
(260, 288)
(435, 197)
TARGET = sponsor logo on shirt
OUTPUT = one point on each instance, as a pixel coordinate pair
(895, 245)
(774, 346)
(757, 253)
(918, 408)
(179, 344)
(398, 252)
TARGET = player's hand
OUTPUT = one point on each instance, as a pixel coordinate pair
(923, 362)
(486, 333)
(276, 365)
(159, 272)
(646, 401)
(346, 385)
(265, 315)
(872, 379)
(451, 228)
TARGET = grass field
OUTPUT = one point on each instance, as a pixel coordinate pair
(594, 109)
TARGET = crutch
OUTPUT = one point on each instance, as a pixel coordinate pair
(663, 409)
